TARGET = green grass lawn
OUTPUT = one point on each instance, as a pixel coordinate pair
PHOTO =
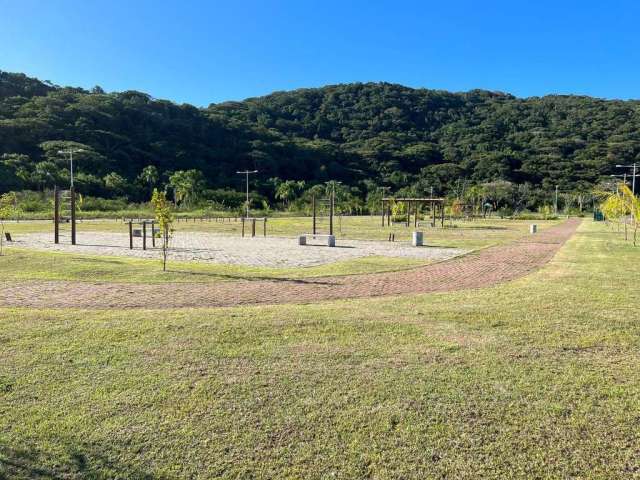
(537, 378)
(464, 234)
(23, 264)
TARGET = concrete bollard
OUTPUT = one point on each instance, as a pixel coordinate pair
(302, 240)
(331, 240)
(533, 228)
(416, 239)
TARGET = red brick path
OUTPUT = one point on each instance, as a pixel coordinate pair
(484, 268)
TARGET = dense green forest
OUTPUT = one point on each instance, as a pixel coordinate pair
(367, 136)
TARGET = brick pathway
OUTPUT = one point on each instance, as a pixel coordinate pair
(480, 269)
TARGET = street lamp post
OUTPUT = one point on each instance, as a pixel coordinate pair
(247, 173)
(70, 152)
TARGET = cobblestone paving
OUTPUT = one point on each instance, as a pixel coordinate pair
(255, 252)
(479, 269)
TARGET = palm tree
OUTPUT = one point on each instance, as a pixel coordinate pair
(149, 176)
(287, 190)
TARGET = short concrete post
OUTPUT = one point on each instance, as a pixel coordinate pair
(331, 240)
(302, 240)
(416, 240)
(533, 228)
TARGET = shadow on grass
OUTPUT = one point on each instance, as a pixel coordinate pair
(114, 261)
(248, 278)
(82, 461)
(484, 227)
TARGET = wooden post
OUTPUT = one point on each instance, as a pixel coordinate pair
(415, 217)
(243, 226)
(153, 234)
(408, 205)
(383, 212)
(56, 215)
(388, 214)
(264, 227)
(433, 213)
(313, 204)
(253, 227)
(130, 235)
(73, 216)
(144, 235)
(331, 213)
(442, 214)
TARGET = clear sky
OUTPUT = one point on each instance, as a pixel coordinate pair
(211, 51)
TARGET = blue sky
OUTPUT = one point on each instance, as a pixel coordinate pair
(211, 51)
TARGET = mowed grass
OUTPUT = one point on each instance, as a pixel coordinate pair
(23, 264)
(537, 378)
(462, 234)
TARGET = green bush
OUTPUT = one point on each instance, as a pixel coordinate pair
(103, 204)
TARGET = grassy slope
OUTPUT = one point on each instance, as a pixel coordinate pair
(537, 378)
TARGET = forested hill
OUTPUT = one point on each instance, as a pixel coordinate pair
(364, 135)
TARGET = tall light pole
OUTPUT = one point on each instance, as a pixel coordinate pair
(634, 166)
(70, 152)
(247, 173)
(555, 205)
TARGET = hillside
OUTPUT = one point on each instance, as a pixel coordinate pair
(365, 135)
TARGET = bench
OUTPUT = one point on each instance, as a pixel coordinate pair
(425, 224)
(331, 239)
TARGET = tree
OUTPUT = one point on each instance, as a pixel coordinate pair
(45, 174)
(115, 182)
(187, 185)
(288, 190)
(149, 176)
(164, 217)
(632, 205)
(619, 205)
(8, 209)
(390, 135)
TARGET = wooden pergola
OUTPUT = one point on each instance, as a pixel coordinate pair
(436, 206)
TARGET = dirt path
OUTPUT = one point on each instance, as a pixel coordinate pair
(484, 268)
